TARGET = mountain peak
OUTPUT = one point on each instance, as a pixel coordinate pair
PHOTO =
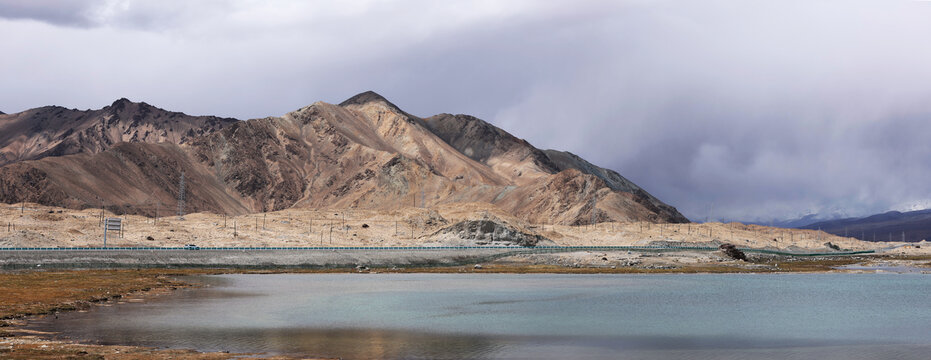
(364, 97)
(369, 97)
(124, 103)
(121, 102)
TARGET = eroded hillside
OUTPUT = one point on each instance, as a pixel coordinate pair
(365, 153)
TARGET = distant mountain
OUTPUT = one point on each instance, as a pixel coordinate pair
(363, 153)
(916, 226)
(791, 223)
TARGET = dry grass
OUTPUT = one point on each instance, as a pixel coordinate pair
(43, 292)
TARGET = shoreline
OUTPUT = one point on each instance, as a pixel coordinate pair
(103, 287)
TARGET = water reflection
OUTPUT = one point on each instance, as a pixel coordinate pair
(345, 343)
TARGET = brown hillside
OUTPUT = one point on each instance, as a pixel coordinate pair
(365, 153)
(138, 178)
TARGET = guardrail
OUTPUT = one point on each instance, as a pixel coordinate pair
(428, 248)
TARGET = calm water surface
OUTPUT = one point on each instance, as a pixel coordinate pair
(436, 316)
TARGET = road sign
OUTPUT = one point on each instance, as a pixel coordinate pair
(114, 224)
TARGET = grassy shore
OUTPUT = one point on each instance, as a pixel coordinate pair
(29, 293)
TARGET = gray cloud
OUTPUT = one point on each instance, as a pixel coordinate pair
(765, 109)
(65, 12)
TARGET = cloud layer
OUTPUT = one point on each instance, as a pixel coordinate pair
(765, 109)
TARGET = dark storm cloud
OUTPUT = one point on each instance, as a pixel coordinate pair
(127, 14)
(57, 12)
(761, 108)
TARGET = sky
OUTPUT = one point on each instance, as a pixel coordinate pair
(737, 110)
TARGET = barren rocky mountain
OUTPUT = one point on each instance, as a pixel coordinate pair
(364, 153)
(56, 131)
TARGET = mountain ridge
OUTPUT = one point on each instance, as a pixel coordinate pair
(54, 131)
(887, 226)
(363, 153)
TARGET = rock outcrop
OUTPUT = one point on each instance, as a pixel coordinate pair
(488, 232)
(733, 252)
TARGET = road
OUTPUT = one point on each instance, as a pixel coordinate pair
(302, 257)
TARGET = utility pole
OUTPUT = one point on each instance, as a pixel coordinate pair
(592, 221)
(181, 198)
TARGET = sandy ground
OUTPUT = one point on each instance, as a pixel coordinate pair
(36, 225)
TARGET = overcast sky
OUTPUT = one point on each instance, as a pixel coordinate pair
(766, 109)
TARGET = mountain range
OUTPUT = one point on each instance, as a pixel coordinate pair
(910, 226)
(365, 152)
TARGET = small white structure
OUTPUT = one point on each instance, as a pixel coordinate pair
(114, 224)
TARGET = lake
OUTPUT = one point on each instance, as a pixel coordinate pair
(538, 316)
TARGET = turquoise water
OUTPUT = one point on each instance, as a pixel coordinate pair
(429, 316)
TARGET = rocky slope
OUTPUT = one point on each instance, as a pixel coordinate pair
(363, 153)
(56, 131)
(540, 170)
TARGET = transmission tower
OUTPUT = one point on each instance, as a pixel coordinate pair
(181, 198)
